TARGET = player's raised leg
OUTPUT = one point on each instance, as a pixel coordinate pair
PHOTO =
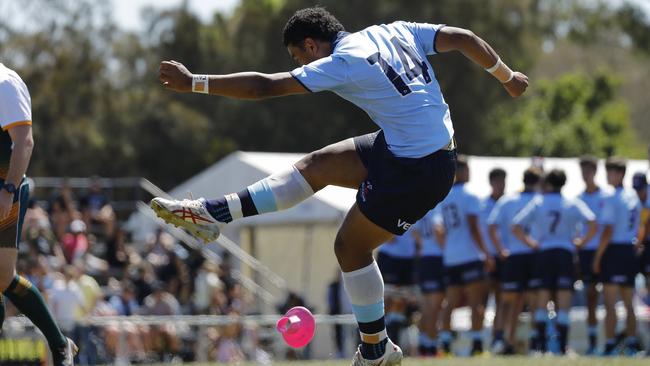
(336, 164)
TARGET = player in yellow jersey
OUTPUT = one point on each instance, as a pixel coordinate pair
(16, 144)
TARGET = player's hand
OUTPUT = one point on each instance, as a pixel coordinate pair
(504, 254)
(490, 264)
(579, 243)
(517, 86)
(6, 201)
(596, 265)
(175, 76)
(533, 244)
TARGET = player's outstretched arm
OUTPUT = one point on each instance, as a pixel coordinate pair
(244, 85)
(479, 51)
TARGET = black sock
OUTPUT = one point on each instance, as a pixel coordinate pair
(592, 341)
(373, 351)
(498, 336)
(219, 209)
(541, 336)
(30, 302)
(563, 331)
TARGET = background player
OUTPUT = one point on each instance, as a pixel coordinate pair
(517, 274)
(465, 257)
(640, 185)
(396, 261)
(497, 179)
(429, 234)
(594, 197)
(16, 144)
(401, 172)
(555, 219)
(615, 258)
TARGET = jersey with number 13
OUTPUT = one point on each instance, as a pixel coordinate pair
(383, 69)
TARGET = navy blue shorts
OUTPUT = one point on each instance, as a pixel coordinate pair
(396, 271)
(12, 225)
(464, 274)
(518, 273)
(555, 269)
(431, 274)
(619, 265)
(497, 273)
(400, 191)
(645, 258)
(586, 266)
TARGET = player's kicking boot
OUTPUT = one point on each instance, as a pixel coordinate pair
(392, 357)
(191, 215)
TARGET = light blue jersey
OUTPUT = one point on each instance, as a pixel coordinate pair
(555, 219)
(460, 247)
(400, 246)
(487, 204)
(383, 70)
(504, 213)
(425, 227)
(595, 201)
(622, 210)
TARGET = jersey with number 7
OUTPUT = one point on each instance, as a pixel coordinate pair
(383, 69)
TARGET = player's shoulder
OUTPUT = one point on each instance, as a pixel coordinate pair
(353, 47)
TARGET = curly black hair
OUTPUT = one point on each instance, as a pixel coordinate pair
(316, 23)
(556, 178)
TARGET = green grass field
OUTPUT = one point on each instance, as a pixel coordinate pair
(492, 361)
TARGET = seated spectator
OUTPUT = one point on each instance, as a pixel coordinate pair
(206, 282)
(75, 242)
(162, 303)
(116, 255)
(96, 211)
(66, 301)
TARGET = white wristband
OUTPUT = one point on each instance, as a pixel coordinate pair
(512, 75)
(495, 67)
(200, 84)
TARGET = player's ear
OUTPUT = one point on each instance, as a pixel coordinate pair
(310, 45)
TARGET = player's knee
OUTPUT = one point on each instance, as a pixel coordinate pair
(314, 165)
(339, 248)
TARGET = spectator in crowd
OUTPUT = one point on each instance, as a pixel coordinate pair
(63, 212)
(138, 338)
(143, 281)
(206, 282)
(229, 349)
(67, 301)
(116, 254)
(96, 212)
(162, 303)
(91, 293)
(75, 242)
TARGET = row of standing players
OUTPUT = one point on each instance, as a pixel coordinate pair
(528, 248)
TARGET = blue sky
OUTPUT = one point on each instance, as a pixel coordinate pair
(127, 12)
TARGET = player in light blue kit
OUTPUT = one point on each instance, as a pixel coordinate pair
(517, 278)
(594, 197)
(616, 260)
(465, 256)
(555, 219)
(400, 172)
(429, 235)
(497, 179)
(396, 261)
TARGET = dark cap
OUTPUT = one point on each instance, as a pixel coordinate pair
(639, 181)
(616, 163)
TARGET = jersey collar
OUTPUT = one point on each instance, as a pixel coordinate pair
(338, 38)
